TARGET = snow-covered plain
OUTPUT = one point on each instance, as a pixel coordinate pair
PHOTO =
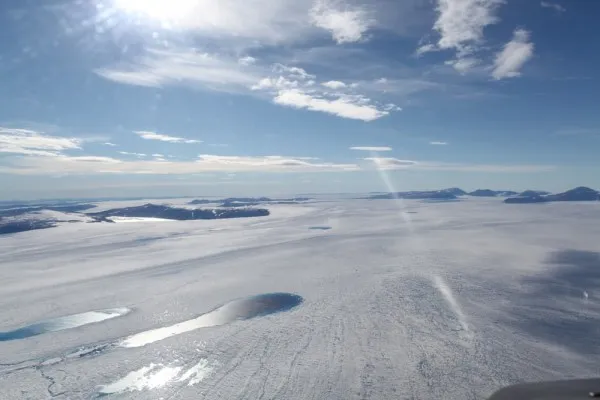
(400, 300)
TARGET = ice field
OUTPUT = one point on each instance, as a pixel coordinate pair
(330, 299)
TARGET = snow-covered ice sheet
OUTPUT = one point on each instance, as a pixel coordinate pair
(401, 299)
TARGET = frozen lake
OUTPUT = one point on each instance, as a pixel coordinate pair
(332, 299)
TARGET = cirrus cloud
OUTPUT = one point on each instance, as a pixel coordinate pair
(205, 163)
(148, 135)
(29, 142)
(371, 148)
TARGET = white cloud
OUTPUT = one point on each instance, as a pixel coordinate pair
(247, 60)
(554, 6)
(461, 25)
(127, 153)
(463, 65)
(294, 87)
(182, 67)
(371, 148)
(275, 83)
(334, 84)
(436, 143)
(515, 54)
(345, 106)
(205, 163)
(292, 72)
(29, 142)
(189, 69)
(164, 138)
(426, 48)
(346, 24)
(157, 155)
(386, 163)
(109, 144)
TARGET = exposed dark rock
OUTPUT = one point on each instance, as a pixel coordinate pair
(182, 214)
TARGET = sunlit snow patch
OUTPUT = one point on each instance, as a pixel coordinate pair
(240, 309)
(155, 376)
(62, 323)
(139, 219)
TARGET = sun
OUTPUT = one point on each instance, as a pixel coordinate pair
(161, 10)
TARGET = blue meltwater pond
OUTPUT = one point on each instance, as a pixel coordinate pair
(240, 309)
(62, 323)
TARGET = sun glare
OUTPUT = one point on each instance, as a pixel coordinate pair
(162, 10)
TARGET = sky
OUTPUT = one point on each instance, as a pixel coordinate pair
(222, 97)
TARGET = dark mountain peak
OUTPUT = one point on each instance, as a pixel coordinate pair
(491, 193)
(531, 193)
(455, 191)
(582, 190)
(483, 193)
(167, 212)
(580, 193)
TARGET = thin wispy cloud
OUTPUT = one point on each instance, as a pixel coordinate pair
(371, 148)
(29, 142)
(515, 54)
(204, 163)
(286, 85)
(438, 143)
(183, 67)
(387, 163)
(248, 60)
(164, 138)
(127, 153)
(110, 144)
(555, 6)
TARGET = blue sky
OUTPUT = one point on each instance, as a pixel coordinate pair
(206, 97)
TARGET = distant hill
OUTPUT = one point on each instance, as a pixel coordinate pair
(67, 208)
(182, 214)
(491, 193)
(455, 191)
(526, 199)
(250, 201)
(23, 225)
(15, 220)
(531, 193)
(581, 193)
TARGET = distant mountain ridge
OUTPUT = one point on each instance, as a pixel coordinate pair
(491, 193)
(15, 219)
(181, 214)
(580, 193)
(250, 201)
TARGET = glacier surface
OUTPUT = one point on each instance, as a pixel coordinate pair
(399, 299)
